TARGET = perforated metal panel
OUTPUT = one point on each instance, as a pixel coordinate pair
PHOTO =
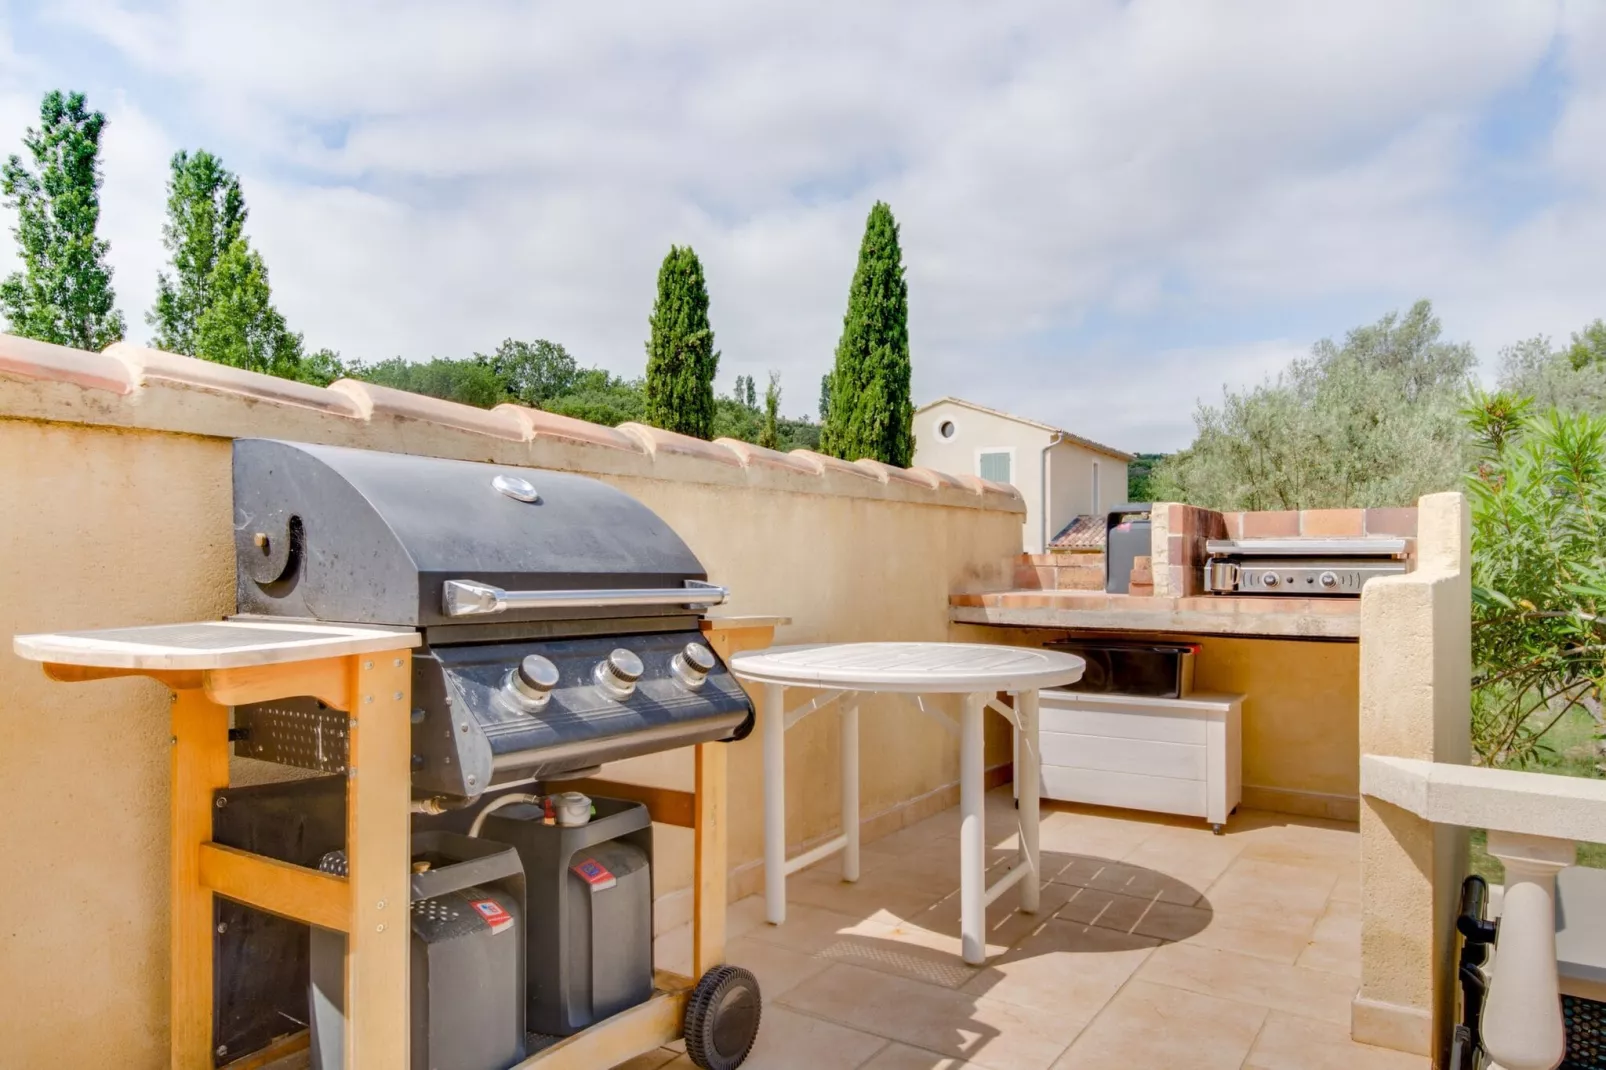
(299, 731)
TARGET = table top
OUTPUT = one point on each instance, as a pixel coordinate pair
(923, 668)
(209, 644)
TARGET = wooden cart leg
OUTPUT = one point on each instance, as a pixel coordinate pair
(708, 891)
(200, 765)
(378, 852)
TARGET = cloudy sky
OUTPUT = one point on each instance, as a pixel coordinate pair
(1109, 209)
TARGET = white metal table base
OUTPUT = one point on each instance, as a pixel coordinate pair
(974, 895)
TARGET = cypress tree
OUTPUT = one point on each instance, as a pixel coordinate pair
(63, 294)
(240, 326)
(870, 413)
(205, 214)
(769, 435)
(681, 359)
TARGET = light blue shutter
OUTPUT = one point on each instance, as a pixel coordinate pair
(995, 466)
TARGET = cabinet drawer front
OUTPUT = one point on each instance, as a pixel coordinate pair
(1156, 723)
(1179, 761)
(1102, 787)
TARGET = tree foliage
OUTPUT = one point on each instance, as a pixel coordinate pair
(1571, 379)
(868, 408)
(205, 216)
(769, 436)
(681, 359)
(1538, 497)
(472, 382)
(63, 294)
(240, 325)
(1373, 422)
(533, 372)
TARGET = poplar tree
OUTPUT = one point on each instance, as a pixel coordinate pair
(205, 214)
(63, 294)
(769, 435)
(240, 326)
(870, 413)
(681, 359)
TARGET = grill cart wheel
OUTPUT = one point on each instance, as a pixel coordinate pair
(722, 1018)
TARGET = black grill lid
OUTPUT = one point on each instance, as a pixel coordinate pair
(365, 537)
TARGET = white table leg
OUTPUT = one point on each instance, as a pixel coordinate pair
(1027, 791)
(775, 803)
(972, 834)
(850, 786)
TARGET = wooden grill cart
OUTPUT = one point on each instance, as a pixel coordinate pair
(212, 665)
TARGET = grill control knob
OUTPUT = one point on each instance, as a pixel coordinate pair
(532, 682)
(618, 672)
(1329, 580)
(1271, 579)
(692, 666)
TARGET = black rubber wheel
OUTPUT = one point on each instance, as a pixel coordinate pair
(722, 1018)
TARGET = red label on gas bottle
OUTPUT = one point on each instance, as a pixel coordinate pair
(595, 874)
(497, 918)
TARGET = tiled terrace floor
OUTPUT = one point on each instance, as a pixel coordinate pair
(1158, 945)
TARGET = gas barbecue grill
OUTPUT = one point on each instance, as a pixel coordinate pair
(559, 616)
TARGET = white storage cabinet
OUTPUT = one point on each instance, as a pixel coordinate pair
(1173, 756)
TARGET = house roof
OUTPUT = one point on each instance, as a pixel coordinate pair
(1082, 533)
(1077, 440)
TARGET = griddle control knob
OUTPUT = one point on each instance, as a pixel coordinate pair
(692, 666)
(1328, 580)
(1271, 579)
(532, 682)
(618, 672)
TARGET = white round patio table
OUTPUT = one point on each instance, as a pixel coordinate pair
(846, 670)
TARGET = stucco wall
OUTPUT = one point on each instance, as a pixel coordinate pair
(115, 485)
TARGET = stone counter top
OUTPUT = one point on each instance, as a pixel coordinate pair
(1270, 617)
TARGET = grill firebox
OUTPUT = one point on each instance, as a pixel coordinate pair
(559, 615)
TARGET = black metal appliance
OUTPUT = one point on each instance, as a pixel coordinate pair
(1132, 666)
(1308, 566)
(559, 620)
(1126, 538)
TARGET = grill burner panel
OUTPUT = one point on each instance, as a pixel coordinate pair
(302, 732)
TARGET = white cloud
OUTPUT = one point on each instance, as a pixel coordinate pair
(429, 178)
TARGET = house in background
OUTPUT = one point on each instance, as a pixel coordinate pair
(1077, 476)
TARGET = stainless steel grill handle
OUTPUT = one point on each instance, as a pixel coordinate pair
(466, 598)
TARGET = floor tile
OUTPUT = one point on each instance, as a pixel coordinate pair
(897, 1056)
(777, 968)
(1131, 914)
(1310, 993)
(1066, 970)
(1271, 892)
(881, 890)
(1287, 1042)
(989, 1033)
(1007, 925)
(809, 929)
(1335, 942)
(1147, 1025)
(788, 1040)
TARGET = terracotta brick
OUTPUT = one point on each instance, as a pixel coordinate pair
(656, 440)
(29, 359)
(1215, 525)
(751, 455)
(1391, 522)
(1026, 577)
(1173, 517)
(1270, 525)
(1333, 522)
(1176, 549)
(823, 464)
(1234, 525)
(889, 473)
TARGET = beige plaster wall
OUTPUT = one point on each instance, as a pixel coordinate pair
(1416, 667)
(1301, 745)
(114, 479)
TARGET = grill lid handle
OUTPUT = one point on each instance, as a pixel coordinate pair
(466, 598)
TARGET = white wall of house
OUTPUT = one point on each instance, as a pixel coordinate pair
(952, 437)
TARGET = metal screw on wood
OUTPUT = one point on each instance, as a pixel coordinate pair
(367, 664)
(379, 905)
(398, 696)
(222, 927)
(397, 663)
(379, 928)
(368, 698)
(222, 801)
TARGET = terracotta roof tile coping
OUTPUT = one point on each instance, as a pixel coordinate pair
(751, 455)
(29, 359)
(656, 440)
(126, 369)
(374, 400)
(145, 364)
(539, 424)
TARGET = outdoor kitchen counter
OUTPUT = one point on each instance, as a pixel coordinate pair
(1266, 616)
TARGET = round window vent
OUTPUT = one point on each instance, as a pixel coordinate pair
(946, 429)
